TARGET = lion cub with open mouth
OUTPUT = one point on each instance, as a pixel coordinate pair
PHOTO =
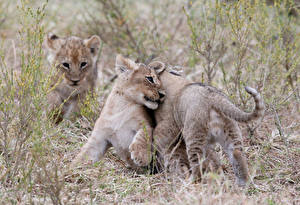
(124, 122)
(205, 116)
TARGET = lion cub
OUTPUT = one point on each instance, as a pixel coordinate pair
(124, 122)
(76, 63)
(205, 116)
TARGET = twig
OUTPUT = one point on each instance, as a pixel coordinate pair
(15, 53)
(278, 125)
(2, 21)
(285, 99)
(111, 79)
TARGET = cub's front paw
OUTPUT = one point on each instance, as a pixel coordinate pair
(84, 158)
(139, 155)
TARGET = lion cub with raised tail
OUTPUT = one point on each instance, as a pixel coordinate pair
(124, 122)
(205, 116)
(76, 63)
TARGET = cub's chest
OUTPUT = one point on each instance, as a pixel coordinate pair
(68, 92)
(128, 119)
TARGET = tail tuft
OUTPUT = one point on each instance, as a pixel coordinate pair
(251, 91)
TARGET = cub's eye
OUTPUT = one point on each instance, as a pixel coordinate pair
(66, 65)
(83, 65)
(150, 79)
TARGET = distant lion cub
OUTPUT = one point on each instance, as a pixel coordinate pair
(124, 122)
(76, 63)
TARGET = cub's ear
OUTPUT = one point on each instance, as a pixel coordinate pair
(125, 64)
(158, 66)
(93, 43)
(53, 43)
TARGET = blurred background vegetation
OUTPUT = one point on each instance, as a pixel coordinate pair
(228, 44)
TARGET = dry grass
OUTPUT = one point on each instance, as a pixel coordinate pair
(260, 46)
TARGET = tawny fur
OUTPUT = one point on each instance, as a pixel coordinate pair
(124, 122)
(76, 63)
(205, 116)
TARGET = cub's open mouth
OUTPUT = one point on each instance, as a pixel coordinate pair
(151, 103)
(149, 99)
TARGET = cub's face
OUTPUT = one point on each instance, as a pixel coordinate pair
(73, 56)
(145, 87)
(141, 84)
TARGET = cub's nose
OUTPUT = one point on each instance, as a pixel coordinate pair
(75, 82)
(162, 95)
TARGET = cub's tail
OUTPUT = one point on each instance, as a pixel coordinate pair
(230, 110)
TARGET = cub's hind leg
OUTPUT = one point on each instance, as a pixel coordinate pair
(233, 146)
(195, 139)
